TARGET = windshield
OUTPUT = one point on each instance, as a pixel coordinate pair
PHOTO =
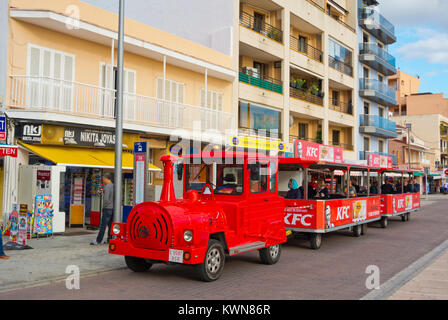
(223, 178)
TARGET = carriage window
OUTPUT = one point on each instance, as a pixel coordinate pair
(258, 177)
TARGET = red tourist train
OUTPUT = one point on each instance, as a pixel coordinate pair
(234, 202)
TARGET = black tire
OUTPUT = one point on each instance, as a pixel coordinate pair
(408, 216)
(364, 229)
(315, 241)
(383, 222)
(270, 255)
(214, 260)
(357, 230)
(403, 217)
(137, 264)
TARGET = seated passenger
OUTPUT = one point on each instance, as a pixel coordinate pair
(387, 188)
(323, 191)
(374, 188)
(294, 191)
(351, 190)
(312, 192)
(408, 188)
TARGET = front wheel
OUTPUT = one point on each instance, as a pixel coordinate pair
(315, 240)
(270, 255)
(383, 222)
(137, 264)
(213, 265)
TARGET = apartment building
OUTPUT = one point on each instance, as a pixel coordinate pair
(375, 34)
(58, 89)
(297, 71)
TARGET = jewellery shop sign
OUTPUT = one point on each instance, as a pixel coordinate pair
(88, 137)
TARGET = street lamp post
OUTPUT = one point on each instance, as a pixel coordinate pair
(408, 127)
(119, 118)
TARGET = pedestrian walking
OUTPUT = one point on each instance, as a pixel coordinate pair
(2, 253)
(108, 209)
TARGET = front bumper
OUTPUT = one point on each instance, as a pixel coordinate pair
(125, 248)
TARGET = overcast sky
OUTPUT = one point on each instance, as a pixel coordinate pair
(422, 33)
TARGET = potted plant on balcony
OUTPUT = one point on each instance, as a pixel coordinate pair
(300, 83)
(319, 137)
(314, 89)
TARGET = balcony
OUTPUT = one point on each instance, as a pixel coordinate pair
(306, 49)
(261, 81)
(377, 126)
(345, 146)
(364, 155)
(377, 25)
(341, 106)
(377, 91)
(261, 27)
(293, 137)
(43, 94)
(377, 58)
(341, 66)
(304, 94)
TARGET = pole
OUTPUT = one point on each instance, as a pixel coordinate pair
(409, 148)
(119, 120)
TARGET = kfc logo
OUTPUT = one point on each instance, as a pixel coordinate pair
(312, 152)
(297, 219)
(400, 204)
(343, 213)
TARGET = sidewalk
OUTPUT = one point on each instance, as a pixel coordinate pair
(429, 284)
(48, 259)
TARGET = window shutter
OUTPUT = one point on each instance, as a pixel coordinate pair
(219, 103)
(202, 97)
(181, 93)
(159, 88)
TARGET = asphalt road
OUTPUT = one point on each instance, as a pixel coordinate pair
(336, 271)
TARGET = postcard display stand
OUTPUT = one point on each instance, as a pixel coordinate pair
(77, 199)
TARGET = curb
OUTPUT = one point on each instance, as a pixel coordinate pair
(48, 281)
(400, 279)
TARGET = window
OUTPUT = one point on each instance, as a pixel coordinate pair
(366, 72)
(339, 52)
(366, 144)
(210, 118)
(303, 131)
(380, 78)
(108, 81)
(303, 44)
(258, 21)
(381, 146)
(261, 120)
(336, 137)
(335, 100)
(258, 177)
(174, 91)
(51, 76)
(366, 108)
(365, 37)
(272, 176)
(381, 112)
(229, 179)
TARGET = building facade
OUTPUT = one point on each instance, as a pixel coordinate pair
(59, 93)
(375, 33)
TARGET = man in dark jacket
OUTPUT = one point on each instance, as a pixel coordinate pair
(108, 209)
(387, 188)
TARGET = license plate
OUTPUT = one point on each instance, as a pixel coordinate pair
(176, 256)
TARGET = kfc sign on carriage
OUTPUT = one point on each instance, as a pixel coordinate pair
(309, 151)
(380, 161)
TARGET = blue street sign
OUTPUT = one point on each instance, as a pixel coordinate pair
(2, 127)
(140, 147)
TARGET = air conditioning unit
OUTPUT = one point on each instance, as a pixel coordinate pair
(251, 71)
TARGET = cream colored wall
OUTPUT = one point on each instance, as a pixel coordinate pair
(88, 56)
(109, 20)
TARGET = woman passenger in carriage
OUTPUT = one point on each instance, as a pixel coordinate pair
(294, 191)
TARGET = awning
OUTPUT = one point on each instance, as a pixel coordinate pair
(83, 157)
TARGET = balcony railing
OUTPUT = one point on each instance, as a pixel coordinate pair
(344, 146)
(306, 95)
(261, 81)
(340, 106)
(261, 27)
(373, 21)
(378, 122)
(293, 137)
(340, 66)
(373, 48)
(306, 49)
(80, 99)
(272, 134)
(320, 4)
(380, 87)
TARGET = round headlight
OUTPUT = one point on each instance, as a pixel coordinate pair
(116, 229)
(188, 235)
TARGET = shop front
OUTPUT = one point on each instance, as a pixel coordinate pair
(5, 151)
(75, 160)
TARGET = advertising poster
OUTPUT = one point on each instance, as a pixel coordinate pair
(396, 203)
(310, 151)
(14, 227)
(43, 219)
(22, 232)
(359, 210)
(342, 212)
(300, 214)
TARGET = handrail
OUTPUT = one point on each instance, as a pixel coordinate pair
(341, 106)
(263, 28)
(306, 49)
(304, 94)
(340, 66)
(373, 48)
